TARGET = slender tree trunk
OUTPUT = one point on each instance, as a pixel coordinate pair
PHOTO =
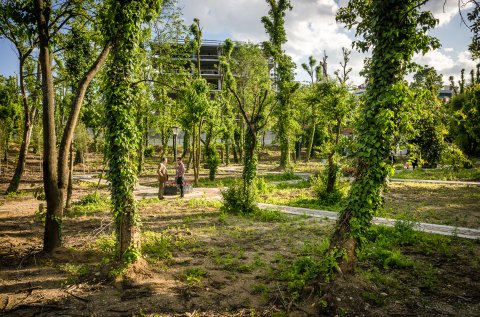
(193, 154)
(54, 196)
(186, 143)
(68, 203)
(250, 160)
(332, 168)
(227, 151)
(310, 142)
(55, 174)
(28, 123)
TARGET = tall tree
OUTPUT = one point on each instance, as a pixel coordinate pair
(17, 24)
(253, 93)
(50, 22)
(274, 25)
(394, 31)
(123, 27)
(336, 103)
(313, 70)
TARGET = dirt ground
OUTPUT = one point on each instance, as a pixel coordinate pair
(200, 262)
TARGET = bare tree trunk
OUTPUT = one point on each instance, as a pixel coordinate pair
(29, 116)
(54, 196)
(310, 142)
(70, 181)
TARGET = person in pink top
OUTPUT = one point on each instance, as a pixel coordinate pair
(180, 175)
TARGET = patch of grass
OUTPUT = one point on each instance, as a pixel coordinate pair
(193, 276)
(268, 215)
(147, 201)
(157, 245)
(106, 243)
(75, 272)
(433, 203)
(19, 194)
(229, 181)
(202, 202)
(90, 203)
(446, 174)
(160, 245)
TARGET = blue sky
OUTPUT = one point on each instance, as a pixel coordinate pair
(311, 29)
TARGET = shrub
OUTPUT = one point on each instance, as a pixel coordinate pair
(149, 151)
(238, 200)
(94, 198)
(319, 186)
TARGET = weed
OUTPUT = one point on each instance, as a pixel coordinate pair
(92, 199)
(157, 245)
(222, 218)
(374, 298)
(106, 243)
(75, 272)
(261, 289)
(40, 213)
(193, 276)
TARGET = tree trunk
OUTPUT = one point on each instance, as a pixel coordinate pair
(251, 158)
(310, 142)
(186, 143)
(54, 196)
(227, 151)
(68, 203)
(332, 168)
(193, 154)
(29, 116)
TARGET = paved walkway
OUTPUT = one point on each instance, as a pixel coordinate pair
(214, 194)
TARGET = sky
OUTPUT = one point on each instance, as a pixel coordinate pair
(311, 30)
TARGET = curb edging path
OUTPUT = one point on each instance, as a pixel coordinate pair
(462, 232)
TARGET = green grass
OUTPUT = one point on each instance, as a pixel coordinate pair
(91, 203)
(445, 174)
(229, 181)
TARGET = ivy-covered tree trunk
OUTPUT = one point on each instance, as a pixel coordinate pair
(122, 134)
(396, 30)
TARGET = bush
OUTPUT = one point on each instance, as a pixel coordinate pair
(149, 151)
(454, 156)
(94, 198)
(237, 200)
(319, 186)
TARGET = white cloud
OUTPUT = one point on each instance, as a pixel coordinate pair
(447, 66)
(445, 10)
(311, 29)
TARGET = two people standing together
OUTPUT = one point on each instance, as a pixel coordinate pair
(163, 176)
